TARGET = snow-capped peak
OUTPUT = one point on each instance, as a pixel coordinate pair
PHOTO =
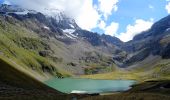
(15, 9)
(61, 18)
(55, 13)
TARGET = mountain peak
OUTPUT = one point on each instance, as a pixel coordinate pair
(61, 18)
(4, 8)
(55, 13)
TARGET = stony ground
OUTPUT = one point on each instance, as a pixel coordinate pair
(8, 92)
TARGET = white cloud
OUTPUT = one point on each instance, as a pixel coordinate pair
(86, 14)
(83, 11)
(102, 25)
(6, 2)
(167, 7)
(151, 6)
(107, 6)
(132, 30)
(111, 29)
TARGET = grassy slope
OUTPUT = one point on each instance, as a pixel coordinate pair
(21, 46)
(15, 44)
(16, 85)
(117, 74)
(158, 70)
(152, 68)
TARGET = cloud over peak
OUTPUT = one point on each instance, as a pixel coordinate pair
(94, 14)
(132, 30)
(167, 7)
(86, 14)
(112, 29)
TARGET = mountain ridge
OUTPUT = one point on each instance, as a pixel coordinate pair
(62, 42)
(81, 51)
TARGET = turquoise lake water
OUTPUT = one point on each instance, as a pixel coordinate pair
(71, 85)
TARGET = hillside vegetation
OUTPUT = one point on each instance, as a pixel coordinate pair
(16, 85)
(23, 47)
(35, 48)
(158, 69)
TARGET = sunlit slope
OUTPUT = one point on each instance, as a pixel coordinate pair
(151, 68)
(22, 47)
(15, 84)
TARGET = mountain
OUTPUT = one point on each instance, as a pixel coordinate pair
(112, 40)
(56, 39)
(154, 41)
(35, 47)
(146, 57)
(55, 36)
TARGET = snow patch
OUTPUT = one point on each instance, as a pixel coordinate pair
(69, 33)
(21, 13)
(168, 29)
(69, 36)
(46, 27)
(71, 26)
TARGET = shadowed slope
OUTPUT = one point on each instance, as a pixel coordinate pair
(19, 86)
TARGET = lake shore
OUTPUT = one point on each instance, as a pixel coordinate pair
(89, 86)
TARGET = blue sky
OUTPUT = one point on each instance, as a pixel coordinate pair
(120, 18)
(1, 1)
(131, 10)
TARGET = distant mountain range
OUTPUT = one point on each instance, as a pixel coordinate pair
(58, 40)
(154, 41)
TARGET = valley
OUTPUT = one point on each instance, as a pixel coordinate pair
(156, 70)
(35, 48)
